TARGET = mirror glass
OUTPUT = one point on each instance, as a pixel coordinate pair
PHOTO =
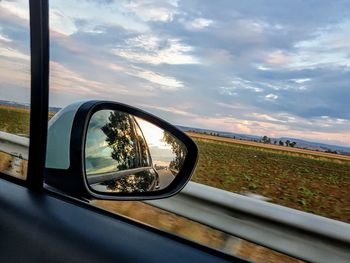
(126, 154)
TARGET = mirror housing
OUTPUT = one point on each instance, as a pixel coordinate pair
(65, 158)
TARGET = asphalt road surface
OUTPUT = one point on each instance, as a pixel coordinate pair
(165, 177)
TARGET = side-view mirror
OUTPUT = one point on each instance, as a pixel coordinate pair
(110, 150)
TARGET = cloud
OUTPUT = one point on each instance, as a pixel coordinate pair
(13, 53)
(94, 14)
(277, 58)
(239, 85)
(61, 23)
(230, 91)
(19, 8)
(163, 82)
(14, 50)
(219, 56)
(235, 105)
(5, 39)
(277, 70)
(222, 124)
(329, 46)
(271, 96)
(154, 50)
(173, 110)
(267, 117)
(200, 23)
(14, 70)
(300, 81)
(153, 11)
(263, 124)
(65, 80)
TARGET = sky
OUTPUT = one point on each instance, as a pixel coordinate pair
(275, 68)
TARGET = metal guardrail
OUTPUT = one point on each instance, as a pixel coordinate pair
(292, 232)
(14, 155)
(14, 145)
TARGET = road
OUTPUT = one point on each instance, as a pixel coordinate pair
(165, 177)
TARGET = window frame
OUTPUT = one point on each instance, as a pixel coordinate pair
(39, 95)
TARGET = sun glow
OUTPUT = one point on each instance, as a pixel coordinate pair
(161, 151)
(153, 134)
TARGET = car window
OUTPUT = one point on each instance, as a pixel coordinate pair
(262, 88)
(145, 159)
(14, 87)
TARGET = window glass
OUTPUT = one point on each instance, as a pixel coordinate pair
(261, 88)
(14, 87)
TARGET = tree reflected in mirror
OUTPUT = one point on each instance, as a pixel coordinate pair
(178, 150)
(127, 154)
(121, 139)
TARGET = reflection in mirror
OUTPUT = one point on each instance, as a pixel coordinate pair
(126, 154)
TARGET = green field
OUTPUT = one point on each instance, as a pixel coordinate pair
(305, 182)
(14, 120)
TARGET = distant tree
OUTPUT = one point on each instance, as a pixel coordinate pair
(287, 143)
(281, 143)
(274, 142)
(266, 139)
(292, 144)
(234, 137)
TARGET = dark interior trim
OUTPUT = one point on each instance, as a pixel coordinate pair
(50, 228)
(39, 44)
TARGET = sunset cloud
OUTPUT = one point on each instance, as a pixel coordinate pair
(277, 71)
(154, 50)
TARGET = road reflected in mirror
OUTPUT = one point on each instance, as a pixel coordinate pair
(126, 154)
